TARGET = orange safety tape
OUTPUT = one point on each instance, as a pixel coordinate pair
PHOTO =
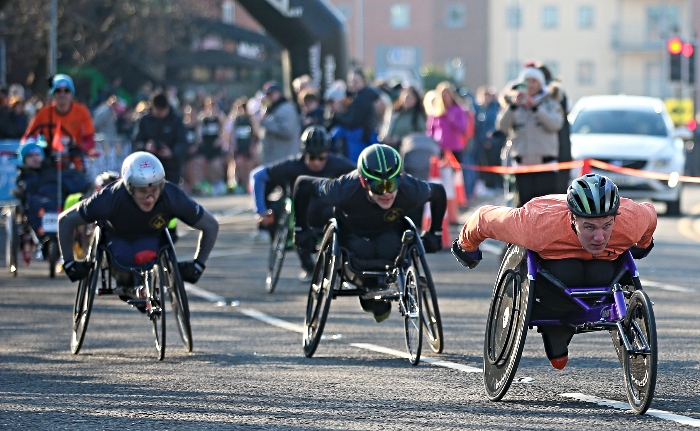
(580, 163)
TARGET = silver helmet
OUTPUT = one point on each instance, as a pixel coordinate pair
(142, 169)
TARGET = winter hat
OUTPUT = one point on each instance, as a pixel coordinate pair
(532, 72)
(62, 81)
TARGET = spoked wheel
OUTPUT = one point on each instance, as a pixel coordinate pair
(278, 247)
(12, 240)
(85, 296)
(52, 255)
(411, 309)
(178, 297)
(506, 328)
(155, 308)
(430, 312)
(640, 363)
(323, 283)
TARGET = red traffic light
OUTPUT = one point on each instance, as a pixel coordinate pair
(687, 50)
(674, 45)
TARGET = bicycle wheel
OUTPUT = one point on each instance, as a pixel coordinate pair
(323, 283)
(640, 363)
(178, 297)
(155, 307)
(53, 254)
(278, 248)
(412, 316)
(506, 327)
(12, 241)
(430, 312)
(85, 296)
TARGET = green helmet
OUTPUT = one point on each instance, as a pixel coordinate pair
(593, 195)
(380, 168)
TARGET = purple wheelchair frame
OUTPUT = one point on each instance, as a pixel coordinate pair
(609, 307)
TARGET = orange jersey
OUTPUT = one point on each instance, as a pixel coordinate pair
(77, 122)
(543, 225)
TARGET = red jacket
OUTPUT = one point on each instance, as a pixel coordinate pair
(543, 225)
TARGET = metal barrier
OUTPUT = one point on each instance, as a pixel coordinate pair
(8, 171)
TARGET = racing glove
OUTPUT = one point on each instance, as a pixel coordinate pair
(191, 270)
(77, 270)
(468, 259)
(305, 239)
(432, 241)
(641, 253)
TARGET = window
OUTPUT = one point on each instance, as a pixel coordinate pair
(456, 15)
(662, 21)
(345, 10)
(513, 19)
(586, 73)
(550, 17)
(400, 15)
(585, 17)
(512, 70)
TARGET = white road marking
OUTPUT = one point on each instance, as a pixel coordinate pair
(664, 286)
(661, 414)
(229, 252)
(198, 291)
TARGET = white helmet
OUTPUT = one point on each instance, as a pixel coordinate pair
(142, 169)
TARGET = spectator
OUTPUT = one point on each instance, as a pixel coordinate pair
(105, 118)
(242, 143)
(408, 117)
(193, 172)
(77, 133)
(311, 111)
(281, 129)
(531, 118)
(162, 132)
(18, 118)
(486, 113)
(336, 103)
(359, 121)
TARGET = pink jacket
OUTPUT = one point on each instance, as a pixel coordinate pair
(448, 129)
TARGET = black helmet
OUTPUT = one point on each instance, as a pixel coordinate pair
(593, 195)
(380, 168)
(315, 140)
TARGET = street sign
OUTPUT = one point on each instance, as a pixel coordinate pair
(681, 110)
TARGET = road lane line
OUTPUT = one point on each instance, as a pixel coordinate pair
(270, 320)
(432, 361)
(228, 252)
(665, 286)
(205, 294)
(661, 414)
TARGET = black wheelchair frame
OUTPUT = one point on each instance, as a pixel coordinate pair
(409, 282)
(622, 308)
(156, 279)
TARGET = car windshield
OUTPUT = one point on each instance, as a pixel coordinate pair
(619, 122)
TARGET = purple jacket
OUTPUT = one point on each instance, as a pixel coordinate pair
(448, 129)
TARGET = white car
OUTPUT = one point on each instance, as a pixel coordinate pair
(633, 132)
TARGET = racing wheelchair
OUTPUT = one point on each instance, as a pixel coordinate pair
(281, 242)
(409, 282)
(622, 308)
(156, 275)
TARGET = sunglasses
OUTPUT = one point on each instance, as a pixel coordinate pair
(61, 90)
(381, 187)
(319, 158)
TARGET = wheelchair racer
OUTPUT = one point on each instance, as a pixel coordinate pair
(578, 237)
(370, 204)
(134, 211)
(315, 161)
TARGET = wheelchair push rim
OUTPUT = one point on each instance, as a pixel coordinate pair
(85, 297)
(278, 249)
(506, 327)
(640, 364)
(411, 310)
(322, 284)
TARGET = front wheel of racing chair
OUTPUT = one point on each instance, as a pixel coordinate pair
(155, 307)
(506, 327)
(278, 247)
(639, 359)
(175, 289)
(85, 295)
(432, 323)
(323, 283)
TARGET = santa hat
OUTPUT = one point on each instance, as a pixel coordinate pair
(532, 72)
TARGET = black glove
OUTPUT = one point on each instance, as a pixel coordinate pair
(469, 259)
(305, 239)
(641, 253)
(77, 270)
(432, 241)
(190, 270)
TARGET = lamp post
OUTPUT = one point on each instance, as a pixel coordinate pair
(51, 57)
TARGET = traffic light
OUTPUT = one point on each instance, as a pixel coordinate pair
(675, 47)
(689, 52)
